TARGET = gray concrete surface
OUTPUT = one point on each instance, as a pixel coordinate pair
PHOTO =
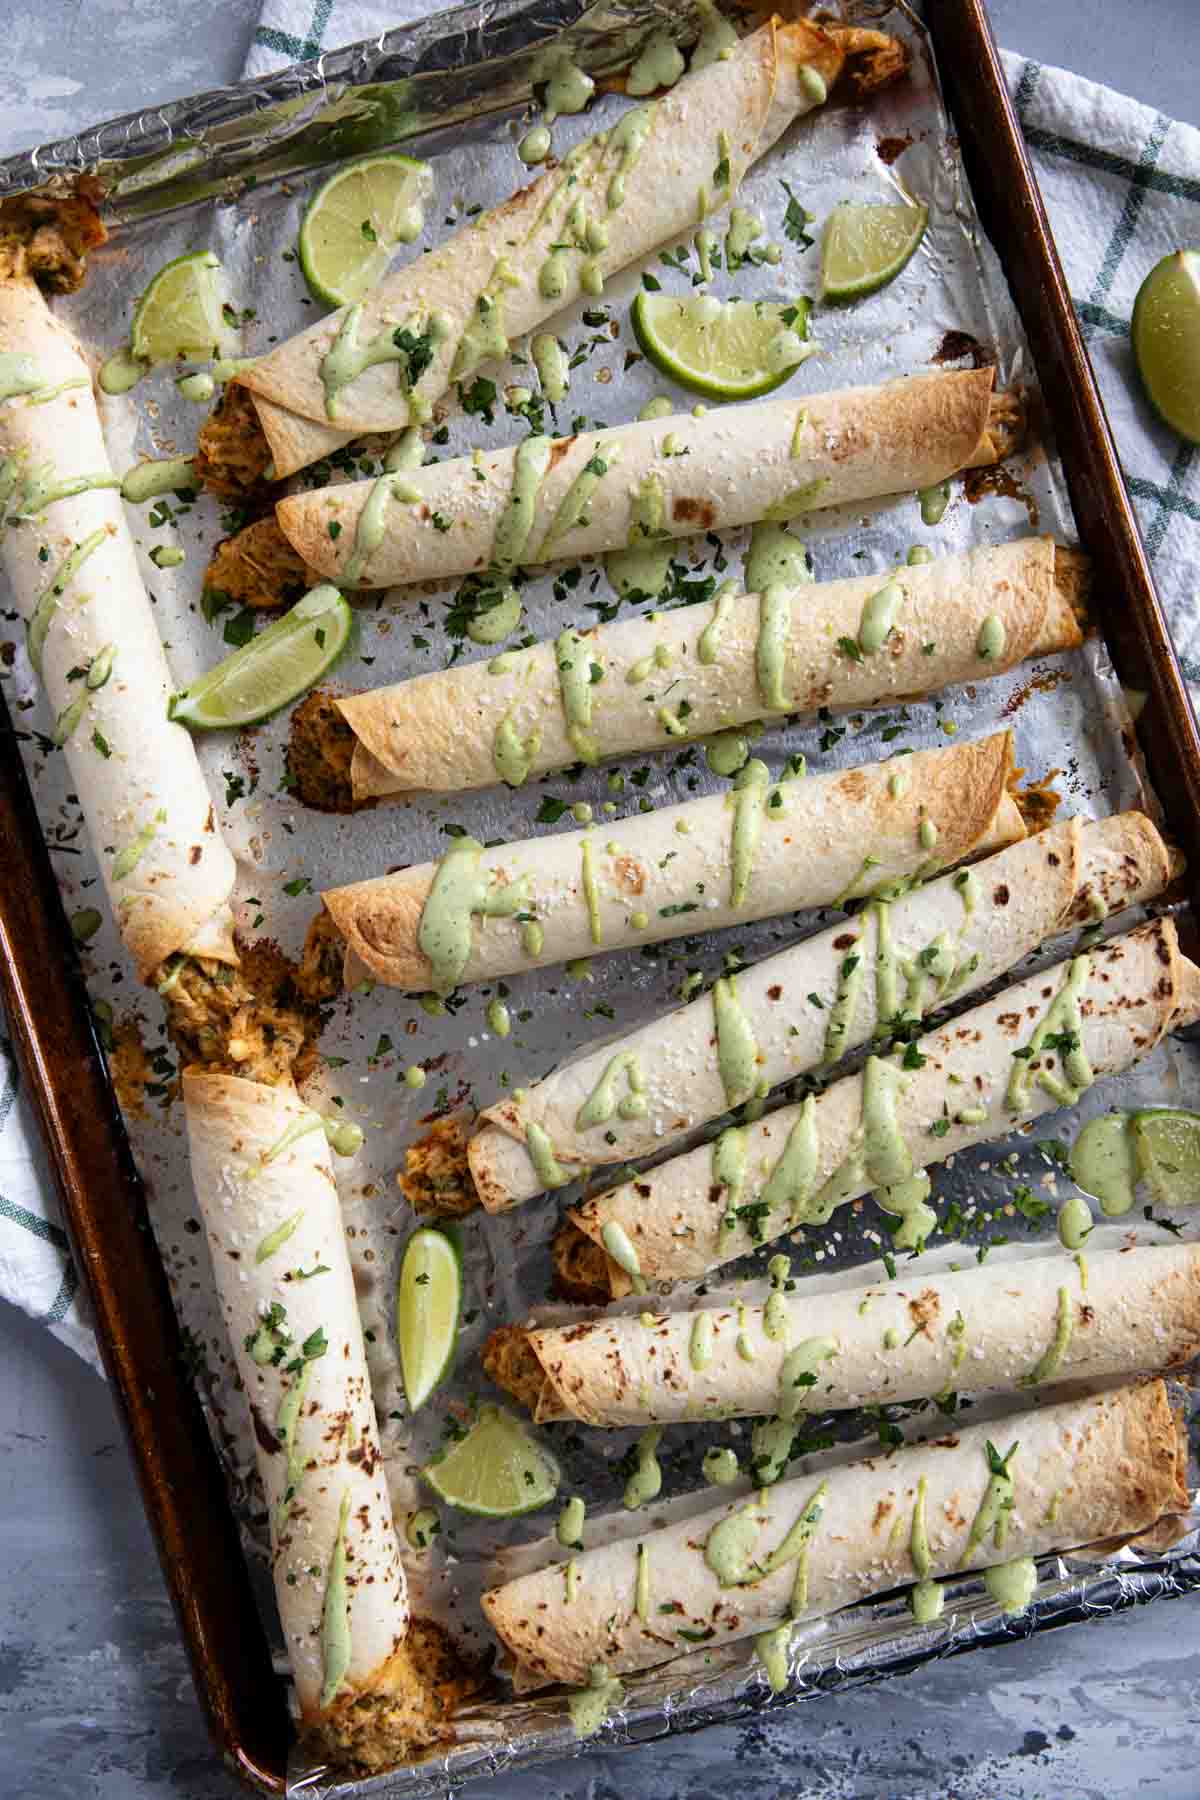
(95, 1699)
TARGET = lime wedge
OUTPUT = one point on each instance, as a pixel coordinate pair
(428, 1300)
(727, 349)
(182, 313)
(1166, 340)
(1167, 1147)
(356, 220)
(273, 668)
(865, 247)
(496, 1471)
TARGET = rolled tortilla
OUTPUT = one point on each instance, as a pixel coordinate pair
(484, 283)
(69, 558)
(990, 1328)
(803, 1009)
(447, 731)
(963, 1084)
(660, 478)
(662, 874)
(261, 1166)
(1081, 1471)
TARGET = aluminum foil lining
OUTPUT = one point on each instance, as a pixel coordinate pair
(232, 171)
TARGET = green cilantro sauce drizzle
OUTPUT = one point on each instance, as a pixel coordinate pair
(1061, 1029)
(461, 889)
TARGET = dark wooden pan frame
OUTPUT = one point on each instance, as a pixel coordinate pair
(102, 1199)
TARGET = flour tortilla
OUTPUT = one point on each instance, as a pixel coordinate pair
(437, 732)
(735, 464)
(984, 1328)
(752, 96)
(1084, 1470)
(993, 918)
(1138, 987)
(134, 771)
(246, 1195)
(809, 853)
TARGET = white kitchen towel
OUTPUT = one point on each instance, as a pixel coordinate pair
(1122, 185)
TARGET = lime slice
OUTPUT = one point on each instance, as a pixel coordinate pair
(865, 247)
(273, 668)
(1167, 1146)
(428, 1300)
(727, 349)
(496, 1471)
(355, 222)
(182, 313)
(1166, 340)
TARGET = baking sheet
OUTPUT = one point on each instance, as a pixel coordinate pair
(1068, 713)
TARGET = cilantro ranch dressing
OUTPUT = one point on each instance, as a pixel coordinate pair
(1048, 1365)
(1062, 1022)
(573, 508)
(646, 1481)
(19, 374)
(602, 1103)
(460, 891)
(708, 645)
(335, 1615)
(775, 556)
(1012, 1584)
(995, 1507)
(790, 1183)
(573, 660)
(47, 602)
(737, 1048)
(720, 1466)
(659, 65)
(1074, 1223)
(569, 1529)
(121, 372)
(1103, 1162)
(371, 529)
(552, 365)
(513, 755)
(700, 1345)
(989, 645)
(625, 143)
(590, 1706)
(749, 798)
(770, 655)
(798, 1371)
(534, 147)
(879, 617)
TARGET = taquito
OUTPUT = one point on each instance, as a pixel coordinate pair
(666, 678)
(995, 1327)
(263, 1175)
(767, 848)
(649, 481)
(1035, 1047)
(1078, 1472)
(876, 975)
(70, 562)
